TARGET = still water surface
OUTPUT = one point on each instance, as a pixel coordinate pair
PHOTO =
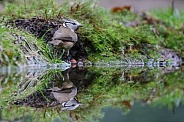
(87, 94)
(144, 113)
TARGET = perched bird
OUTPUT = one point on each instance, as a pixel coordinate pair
(65, 37)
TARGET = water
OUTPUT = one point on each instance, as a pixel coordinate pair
(144, 113)
(95, 93)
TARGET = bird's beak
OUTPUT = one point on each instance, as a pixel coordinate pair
(80, 103)
(80, 25)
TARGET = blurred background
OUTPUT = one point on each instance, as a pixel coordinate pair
(136, 5)
(142, 5)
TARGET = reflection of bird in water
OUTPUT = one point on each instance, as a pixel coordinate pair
(66, 94)
(71, 104)
(67, 98)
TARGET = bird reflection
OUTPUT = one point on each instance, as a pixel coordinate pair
(59, 92)
(65, 93)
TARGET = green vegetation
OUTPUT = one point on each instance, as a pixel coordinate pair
(106, 87)
(104, 34)
(17, 45)
(172, 29)
(10, 54)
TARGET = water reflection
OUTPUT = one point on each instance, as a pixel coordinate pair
(145, 74)
(65, 93)
(87, 91)
(143, 113)
(58, 90)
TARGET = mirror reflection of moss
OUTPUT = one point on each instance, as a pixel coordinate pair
(171, 96)
(106, 88)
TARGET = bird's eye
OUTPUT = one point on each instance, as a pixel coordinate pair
(74, 23)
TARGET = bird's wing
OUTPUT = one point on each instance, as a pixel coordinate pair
(66, 38)
(56, 42)
(65, 34)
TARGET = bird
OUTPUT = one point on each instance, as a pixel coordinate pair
(71, 104)
(65, 93)
(65, 37)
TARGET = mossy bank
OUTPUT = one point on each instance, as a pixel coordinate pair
(105, 35)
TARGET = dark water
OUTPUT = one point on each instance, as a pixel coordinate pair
(97, 93)
(144, 113)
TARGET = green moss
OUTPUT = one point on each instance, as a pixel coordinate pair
(10, 54)
(104, 35)
(172, 29)
(106, 87)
